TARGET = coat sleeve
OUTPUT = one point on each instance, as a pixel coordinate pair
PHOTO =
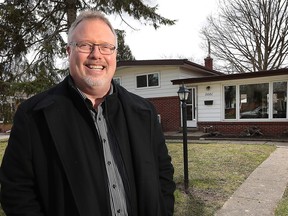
(18, 189)
(166, 169)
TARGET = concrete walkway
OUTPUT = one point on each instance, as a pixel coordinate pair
(4, 136)
(262, 190)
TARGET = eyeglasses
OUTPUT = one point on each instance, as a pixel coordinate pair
(86, 47)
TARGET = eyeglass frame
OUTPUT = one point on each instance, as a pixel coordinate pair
(92, 46)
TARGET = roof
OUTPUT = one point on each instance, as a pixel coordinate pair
(283, 71)
(185, 63)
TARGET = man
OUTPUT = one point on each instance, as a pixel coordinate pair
(87, 146)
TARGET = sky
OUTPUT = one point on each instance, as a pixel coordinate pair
(182, 40)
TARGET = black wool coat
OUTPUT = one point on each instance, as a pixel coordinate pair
(53, 163)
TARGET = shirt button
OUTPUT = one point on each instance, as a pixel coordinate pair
(118, 211)
(114, 186)
(109, 163)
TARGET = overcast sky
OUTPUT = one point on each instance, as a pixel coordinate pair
(181, 40)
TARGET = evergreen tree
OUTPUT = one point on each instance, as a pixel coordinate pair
(33, 38)
(123, 51)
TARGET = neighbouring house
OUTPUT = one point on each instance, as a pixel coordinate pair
(227, 103)
(8, 106)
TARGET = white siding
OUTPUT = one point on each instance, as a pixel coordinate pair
(166, 74)
(209, 112)
(185, 73)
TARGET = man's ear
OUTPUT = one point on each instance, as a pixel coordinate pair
(68, 50)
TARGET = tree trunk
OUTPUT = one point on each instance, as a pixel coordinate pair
(71, 11)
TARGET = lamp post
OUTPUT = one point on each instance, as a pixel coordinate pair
(183, 96)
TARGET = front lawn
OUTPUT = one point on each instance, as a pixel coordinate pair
(215, 171)
(282, 207)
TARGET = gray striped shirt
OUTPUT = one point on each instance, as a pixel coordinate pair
(115, 183)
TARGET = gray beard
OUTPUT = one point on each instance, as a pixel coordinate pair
(92, 83)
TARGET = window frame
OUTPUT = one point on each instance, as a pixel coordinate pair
(269, 102)
(147, 80)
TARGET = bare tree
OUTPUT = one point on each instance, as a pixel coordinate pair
(249, 35)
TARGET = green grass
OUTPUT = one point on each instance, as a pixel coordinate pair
(282, 207)
(3, 144)
(215, 171)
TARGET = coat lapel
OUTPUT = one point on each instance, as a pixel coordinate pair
(79, 154)
(139, 127)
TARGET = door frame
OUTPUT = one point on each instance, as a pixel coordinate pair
(191, 108)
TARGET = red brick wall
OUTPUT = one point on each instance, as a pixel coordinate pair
(169, 109)
(235, 128)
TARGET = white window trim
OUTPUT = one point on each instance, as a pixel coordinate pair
(270, 95)
(146, 74)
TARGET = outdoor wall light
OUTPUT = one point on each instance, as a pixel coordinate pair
(183, 93)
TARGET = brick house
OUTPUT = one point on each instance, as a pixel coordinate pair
(228, 103)
(151, 79)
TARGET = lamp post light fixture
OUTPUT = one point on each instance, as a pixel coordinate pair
(183, 94)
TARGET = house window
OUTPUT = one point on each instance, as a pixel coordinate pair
(147, 80)
(254, 101)
(279, 99)
(230, 102)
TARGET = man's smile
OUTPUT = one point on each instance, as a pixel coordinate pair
(95, 67)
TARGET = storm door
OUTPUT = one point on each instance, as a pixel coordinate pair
(192, 108)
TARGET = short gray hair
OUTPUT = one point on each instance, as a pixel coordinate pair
(90, 14)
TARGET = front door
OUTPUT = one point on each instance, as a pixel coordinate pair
(192, 108)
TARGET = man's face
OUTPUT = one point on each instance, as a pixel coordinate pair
(93, 70)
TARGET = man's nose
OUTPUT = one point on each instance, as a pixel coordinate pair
(95, 51)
